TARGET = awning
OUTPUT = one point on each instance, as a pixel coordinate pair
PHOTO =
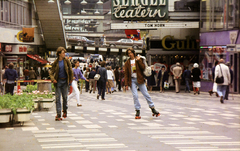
(37, 58)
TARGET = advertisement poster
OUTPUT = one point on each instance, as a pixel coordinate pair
(28, 34)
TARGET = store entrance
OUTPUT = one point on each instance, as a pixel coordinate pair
(235, 62)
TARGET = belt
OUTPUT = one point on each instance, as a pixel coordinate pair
(62, 78)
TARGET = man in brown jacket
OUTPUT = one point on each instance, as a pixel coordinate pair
(177, 73)
(61, 75)
(134, 78)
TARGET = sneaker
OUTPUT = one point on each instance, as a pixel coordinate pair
(64, 114)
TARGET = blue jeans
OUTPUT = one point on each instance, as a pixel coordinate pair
(221, 90)
(187, 84)
(144, 91)
(61, 90)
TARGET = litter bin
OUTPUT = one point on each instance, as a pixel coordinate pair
(45, 85)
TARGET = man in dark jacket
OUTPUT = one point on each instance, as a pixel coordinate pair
(61, 75)
(10, 77)
(134, 78)
(187, 77)
(102, 81)
(116, 74)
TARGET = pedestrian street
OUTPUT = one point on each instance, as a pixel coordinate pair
(187, 123)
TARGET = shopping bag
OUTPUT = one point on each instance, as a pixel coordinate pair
(166, 85)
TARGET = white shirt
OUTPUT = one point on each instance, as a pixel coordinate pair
(223, 71)
(109, 75)
(133, 69)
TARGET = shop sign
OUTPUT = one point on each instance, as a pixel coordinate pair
(139, 9)
(8, 48)
(169, 43)
(22, 48)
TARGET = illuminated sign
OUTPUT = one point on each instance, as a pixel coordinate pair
(139, 9)
(169, 43)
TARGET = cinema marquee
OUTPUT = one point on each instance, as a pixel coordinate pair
(139, 9)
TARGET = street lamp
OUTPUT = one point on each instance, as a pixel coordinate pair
(51, 1)
(67, 2)
(99, 2)
(84, 2)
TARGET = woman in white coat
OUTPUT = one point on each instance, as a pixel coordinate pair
(222, 70)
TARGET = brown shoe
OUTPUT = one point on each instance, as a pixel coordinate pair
(78, 105)
(221, 99)
(98, 96)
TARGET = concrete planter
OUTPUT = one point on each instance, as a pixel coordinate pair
(47, 103)
(22, 115)
(5, 115)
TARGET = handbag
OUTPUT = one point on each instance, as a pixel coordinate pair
(220, 79)
(147, 71)
(97, 76)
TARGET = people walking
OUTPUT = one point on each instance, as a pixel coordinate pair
(92, 81)
(222, 70)
(110, 84)
(61, 75)
(117, 78)
(151, 80)
(121, 77)
(26, 75)
(196, 73)
(162, 77)
(177, 73)
(102, 81)
(231, 75)
(86, 75)
(76, 74)
(187, 78)
(214, 88)
(134, 78)
(10, 76)
(32, 75)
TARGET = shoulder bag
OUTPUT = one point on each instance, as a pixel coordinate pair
(97, 76)
(220, 79)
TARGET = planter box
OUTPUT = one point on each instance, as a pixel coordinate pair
(5, 115)
(22, 115)
(47, 103)
(36, 102)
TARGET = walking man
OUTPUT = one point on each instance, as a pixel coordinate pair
(187, 77)
(222, 70)
(177, 73)
(10, 77)
(134, 78)
(61, 75)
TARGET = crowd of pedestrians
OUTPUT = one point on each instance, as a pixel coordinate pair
(66, 73)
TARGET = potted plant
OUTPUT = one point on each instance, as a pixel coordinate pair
(5, 108)
(22, 106)
(48, 99)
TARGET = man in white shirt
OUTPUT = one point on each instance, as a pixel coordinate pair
(222, 70)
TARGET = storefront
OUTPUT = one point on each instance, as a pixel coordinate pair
(168, 51)
(215, 46)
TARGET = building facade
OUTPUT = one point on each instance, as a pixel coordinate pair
(220, 38)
